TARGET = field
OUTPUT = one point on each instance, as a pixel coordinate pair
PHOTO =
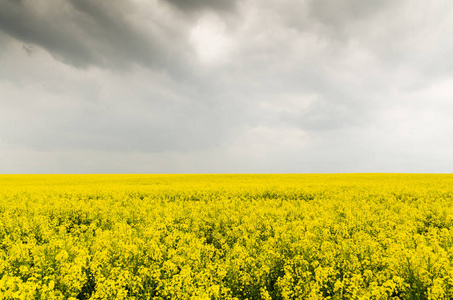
(337, 236)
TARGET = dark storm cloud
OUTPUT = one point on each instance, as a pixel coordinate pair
(99, 33)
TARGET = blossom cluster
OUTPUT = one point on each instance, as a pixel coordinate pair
(337, 236)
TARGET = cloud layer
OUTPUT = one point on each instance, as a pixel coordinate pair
(225, 86)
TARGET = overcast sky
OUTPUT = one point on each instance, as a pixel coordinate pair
(224, 86)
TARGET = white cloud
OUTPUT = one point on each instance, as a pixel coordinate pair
(210, 39)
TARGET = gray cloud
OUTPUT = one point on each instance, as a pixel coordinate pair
(335, 13)
(95, 33)
(196, 5)
(225, 86)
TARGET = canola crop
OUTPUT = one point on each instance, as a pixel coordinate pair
(336, 236)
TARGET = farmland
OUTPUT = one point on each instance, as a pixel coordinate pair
(333, 236)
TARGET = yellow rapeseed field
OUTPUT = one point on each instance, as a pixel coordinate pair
(336, 236)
